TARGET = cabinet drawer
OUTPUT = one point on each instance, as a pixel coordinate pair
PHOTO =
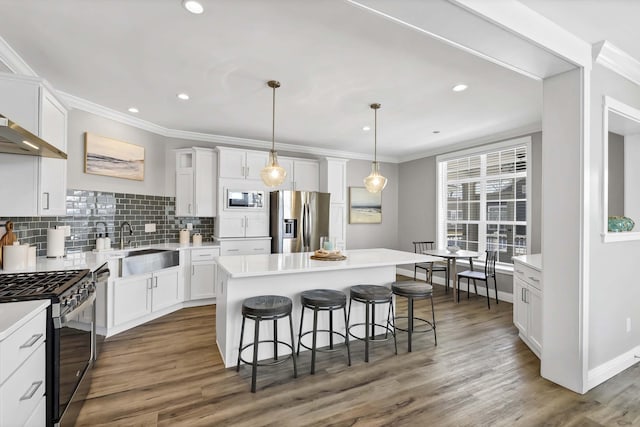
(205, 254)
(245, 247)
(19, 345)
(528, 274)
(23, 391)
(39, 416)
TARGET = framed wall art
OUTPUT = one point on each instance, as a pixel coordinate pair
(110, 157)
(364, 207)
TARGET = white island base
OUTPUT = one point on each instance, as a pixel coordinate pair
(241, 277)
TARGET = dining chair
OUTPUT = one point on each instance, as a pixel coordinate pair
(489, 272)
(430, 267)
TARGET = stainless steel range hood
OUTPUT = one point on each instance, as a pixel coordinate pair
(17, 140)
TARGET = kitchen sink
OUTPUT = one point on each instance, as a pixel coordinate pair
(147, 260)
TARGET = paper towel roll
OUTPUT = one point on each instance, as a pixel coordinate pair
(184, 237)
(55, 243)
(14, 257)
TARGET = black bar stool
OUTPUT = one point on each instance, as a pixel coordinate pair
(323, 300)
(411, 291)
(370, 296)
(266, 307)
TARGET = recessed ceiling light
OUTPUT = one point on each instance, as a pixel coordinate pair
(193, 6)
(366, 128)
(183, 96)
(134, 110)
(435, 131)
(459, 87)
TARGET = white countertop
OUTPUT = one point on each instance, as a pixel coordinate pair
(532, 260)
(93, 260)
(275, 264)
(15, 314)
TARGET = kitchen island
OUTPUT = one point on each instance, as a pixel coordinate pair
(241, 277)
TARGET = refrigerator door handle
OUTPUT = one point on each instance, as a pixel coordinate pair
(305, 227)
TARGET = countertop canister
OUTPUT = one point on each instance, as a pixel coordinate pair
(184, 237)
(197, 239)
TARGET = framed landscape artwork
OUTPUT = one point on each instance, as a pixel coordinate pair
(109, 157)
(364, 207)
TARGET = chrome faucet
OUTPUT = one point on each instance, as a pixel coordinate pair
(122, 228)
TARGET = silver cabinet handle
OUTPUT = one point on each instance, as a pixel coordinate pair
(247, 175)
(522, 294)
(197, 209)
(534, 279)
(189, 208)
(246, 221)
(519, 271)
(257, 249)
(31, 391)
(233, 250)
(46, 194)
(156, 282)
(193, 270)
(31, 341)
(243, 172)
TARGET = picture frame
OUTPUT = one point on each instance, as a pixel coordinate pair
(364, 207)
(110, 157)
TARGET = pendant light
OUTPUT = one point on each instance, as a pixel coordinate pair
(273, 174)
(375, 182)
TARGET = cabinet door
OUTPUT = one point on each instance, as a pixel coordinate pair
(231, 164)
(287, 164)
(131, 298)
(203, 280)
(166, 289)
(337, 212)
(256, 225)
(337, 180)
(230, 225)
(520, 307)
(534, 300)
(307, 175)
(184, 192)
(53, 172)
(19, 188)
(256, 161)
(205, 185)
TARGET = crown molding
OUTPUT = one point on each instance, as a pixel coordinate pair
(13, 61)
(608, 55)
(496, 137)
(73, 101)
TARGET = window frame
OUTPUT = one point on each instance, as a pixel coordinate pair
(441, 191)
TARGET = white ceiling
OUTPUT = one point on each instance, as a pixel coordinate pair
(332, 58)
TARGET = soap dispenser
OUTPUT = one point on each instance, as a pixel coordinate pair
(107, 241)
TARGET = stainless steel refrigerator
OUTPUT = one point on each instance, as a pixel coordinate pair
(297, 220)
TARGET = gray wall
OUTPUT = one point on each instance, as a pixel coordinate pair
(383, 235)
(616, 175)
(154, 162)
(417, 210)
(614, 294)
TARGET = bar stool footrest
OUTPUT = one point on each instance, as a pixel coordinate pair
(324, 349)
(388, 331)
(285, 357)
(424, 323)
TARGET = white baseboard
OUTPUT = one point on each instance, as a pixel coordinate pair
(439, 280)
(613, 367)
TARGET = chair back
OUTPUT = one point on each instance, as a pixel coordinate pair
(490, 263)
(420, 247)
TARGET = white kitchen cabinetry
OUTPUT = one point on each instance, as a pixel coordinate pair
(302, 174)
(241, 164)
(202, 277)
(38, 183)
(527, 296)
(243, 225)
(245, 246)
(137, 296)
(333, 179)
(196, 182)
(23, 367)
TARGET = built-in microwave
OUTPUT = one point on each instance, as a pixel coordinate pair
(244, 199)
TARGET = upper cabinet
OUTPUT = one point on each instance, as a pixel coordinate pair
(38, 184)
(302, 174)
(241, 164)
(196, 182)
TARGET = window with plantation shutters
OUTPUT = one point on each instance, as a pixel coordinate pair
(483, 200)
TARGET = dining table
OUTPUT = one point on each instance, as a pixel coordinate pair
(451, 258)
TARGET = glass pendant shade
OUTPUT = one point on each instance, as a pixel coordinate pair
(273, 174)
(375, 182)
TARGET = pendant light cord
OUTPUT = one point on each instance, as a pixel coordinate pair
(273, 122)
(375, 135)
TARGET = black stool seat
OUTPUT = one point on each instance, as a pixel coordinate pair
(370, 293)
(267, 306)
(323, 298)
(415, 290)
(412, 289)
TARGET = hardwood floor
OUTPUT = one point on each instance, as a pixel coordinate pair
(169, 373)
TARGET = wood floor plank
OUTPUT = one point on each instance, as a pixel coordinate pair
(168, 372)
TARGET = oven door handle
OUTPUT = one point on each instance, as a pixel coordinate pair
(65, 319)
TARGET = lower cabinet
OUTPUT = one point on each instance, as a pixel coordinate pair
(245, 246)
(527, 305)
(137, 296)
(202, 275)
